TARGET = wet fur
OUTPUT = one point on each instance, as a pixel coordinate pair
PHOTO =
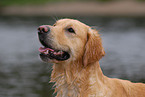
(81, 75)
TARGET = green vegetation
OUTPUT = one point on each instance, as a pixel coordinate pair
(38, 2)
(141, 0)
(23, 2)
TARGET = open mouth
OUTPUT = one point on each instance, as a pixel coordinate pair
(59, 55)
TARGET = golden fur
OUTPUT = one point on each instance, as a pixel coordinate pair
(81, 75)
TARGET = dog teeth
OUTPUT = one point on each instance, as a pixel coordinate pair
(55, 53)
(58, 53)
(46, 52)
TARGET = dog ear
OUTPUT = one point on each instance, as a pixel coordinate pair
(94, 50)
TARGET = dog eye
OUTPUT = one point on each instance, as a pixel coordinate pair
(71, 30)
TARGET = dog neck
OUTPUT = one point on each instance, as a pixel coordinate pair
(74, 80)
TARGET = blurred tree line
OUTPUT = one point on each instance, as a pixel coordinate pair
(39, 2)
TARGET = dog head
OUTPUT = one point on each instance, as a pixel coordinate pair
(69, 40)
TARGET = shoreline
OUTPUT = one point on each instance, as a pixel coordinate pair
(116, 8)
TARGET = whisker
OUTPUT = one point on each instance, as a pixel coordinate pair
(54, 18)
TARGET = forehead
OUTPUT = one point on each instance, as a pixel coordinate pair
(70, 22)
(80, 28)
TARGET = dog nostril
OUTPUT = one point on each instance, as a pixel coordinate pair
(43, 29)
(38, 29)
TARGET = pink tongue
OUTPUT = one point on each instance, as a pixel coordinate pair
(43, 49)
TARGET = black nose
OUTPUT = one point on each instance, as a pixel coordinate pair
(43, 29)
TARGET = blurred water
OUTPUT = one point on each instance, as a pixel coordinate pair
(23, 74)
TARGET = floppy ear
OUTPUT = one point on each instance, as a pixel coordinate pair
(93, 48)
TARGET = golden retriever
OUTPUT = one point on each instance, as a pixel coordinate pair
(75, 49)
